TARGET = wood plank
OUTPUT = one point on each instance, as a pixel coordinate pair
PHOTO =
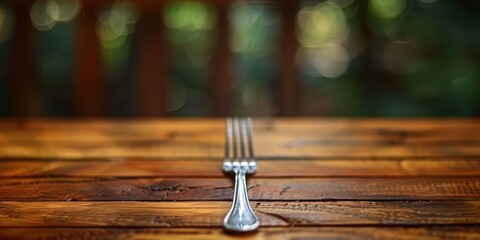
(159, 149)
(380, 126)
(272, 233)
(210, 214)
(265, 189)
(120, 167)
(129, 135)
(205, 138)
(212, 131)
(292, 148)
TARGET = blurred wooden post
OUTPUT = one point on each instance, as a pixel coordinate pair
(89, 83)
(152, 71)
(288, 86)
(23, 99)
(152, 60)
(221, 77)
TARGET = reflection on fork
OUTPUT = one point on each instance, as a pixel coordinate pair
(239, 134)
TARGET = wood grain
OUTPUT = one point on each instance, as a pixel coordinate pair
(134, 167)
(330, 178)
(184, 189)
(273, 139)
(272, 233)
(210, 214)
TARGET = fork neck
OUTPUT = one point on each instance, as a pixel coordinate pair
(241, 216)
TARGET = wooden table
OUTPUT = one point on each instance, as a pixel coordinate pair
(317, 178)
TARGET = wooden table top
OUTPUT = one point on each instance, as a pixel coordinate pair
(317, 178)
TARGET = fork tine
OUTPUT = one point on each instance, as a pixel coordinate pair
(249, 139)
(228, 136)
(252, 164)
(236, 134)
(238, 138)
(227, 164)
(243, 138)
(238, 150)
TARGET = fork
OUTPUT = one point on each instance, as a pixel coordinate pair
(241, 217)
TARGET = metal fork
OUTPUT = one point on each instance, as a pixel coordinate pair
(239, 132)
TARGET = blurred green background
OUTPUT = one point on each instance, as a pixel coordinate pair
(393, 58)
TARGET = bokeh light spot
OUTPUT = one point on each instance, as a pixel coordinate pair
(191, 15)
(128, 12)
(62, 10)
(331, 61)
(248, 22)
(343, 3)
(387, 9)
(322, 32)
(322, 24)
(178, 96)
(115, 24)
(40, 18)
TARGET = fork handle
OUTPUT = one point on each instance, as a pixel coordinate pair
(241, 217)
